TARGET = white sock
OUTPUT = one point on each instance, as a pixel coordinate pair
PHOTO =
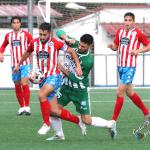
(100, 122)
(56, 125)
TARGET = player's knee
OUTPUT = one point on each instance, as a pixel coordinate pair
(87, 120)
(41, 95)
(119, 93)
(55, 112)
(129, 93)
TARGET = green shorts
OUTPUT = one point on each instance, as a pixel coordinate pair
(79, 98)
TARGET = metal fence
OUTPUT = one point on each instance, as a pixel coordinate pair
(104, 73)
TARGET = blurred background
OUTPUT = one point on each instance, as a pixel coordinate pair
(101, 18)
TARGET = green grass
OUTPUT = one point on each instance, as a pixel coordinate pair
(20, 132)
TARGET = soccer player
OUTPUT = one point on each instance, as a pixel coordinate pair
(19, 40)
(127, 42)
(75, 88)
(47, 51)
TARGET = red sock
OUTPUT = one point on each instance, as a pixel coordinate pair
(138, 102)
(19, 94)
(45, 110)
(26, 94)
(66, 115)
(117, 108)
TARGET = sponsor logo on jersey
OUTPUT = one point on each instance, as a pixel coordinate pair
(69, 63)
(43, 55)
(83, 103)
(16, 43)
(124, 41)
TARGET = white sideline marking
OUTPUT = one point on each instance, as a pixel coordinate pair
(145, 100)
(11, 102)
(91, 92)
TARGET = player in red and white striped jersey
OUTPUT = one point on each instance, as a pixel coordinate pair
(47, 54)
(127, 43)
(128, 40)
(19, 40)
(47, 50)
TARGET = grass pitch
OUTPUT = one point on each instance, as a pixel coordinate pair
(20, 132)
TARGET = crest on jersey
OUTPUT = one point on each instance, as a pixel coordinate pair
(16, 43)
(43, 55)
(124, 41)
(50, 44)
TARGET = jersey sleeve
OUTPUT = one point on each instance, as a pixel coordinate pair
(116, 40)
(59, 33)
(4, 44)
(30, 48)
(30, 38)
(143, 39)
(60, 45)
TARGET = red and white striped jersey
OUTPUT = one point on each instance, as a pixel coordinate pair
(18, 45)
(47, 54)
(128, 40)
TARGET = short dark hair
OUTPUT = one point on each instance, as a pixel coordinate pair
(130, 14)
(15, 17)
(45, 26)
(87, 38)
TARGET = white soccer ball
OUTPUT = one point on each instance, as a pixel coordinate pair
(36, 76)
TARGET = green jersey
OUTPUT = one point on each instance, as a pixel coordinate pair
(86, 62)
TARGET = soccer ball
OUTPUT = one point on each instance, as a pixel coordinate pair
(36, 76)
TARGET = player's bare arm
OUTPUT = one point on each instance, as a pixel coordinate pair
(71, 41)
(141, 50)
(2, 49)
(23, 58)
(73, 77)
(1, 57)
(112, 46)
(63, 70)
(75, 57)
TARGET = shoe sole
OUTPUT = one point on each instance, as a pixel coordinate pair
(27, 113)
(112, 134)
(20, 114)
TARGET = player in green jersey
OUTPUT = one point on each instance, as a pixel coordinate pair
(75, 89)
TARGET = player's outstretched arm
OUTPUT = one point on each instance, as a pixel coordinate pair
(62, 35)
(62, 69)
(76, 59)
(73, 77)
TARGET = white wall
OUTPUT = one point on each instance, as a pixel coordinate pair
(87, 25)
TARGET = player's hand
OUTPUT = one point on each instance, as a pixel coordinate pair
(70, 41)
(79, 71)
(110, 46)
(60, 67)
(134, 52)
(16, 69)
(1, 57)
